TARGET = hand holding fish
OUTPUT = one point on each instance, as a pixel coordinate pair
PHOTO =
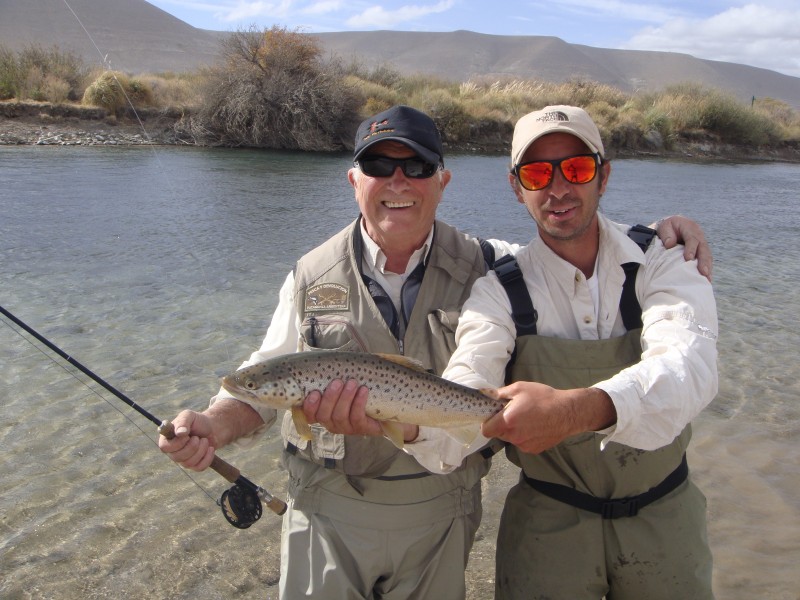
(401, 392)
(537, 416)
(341, 408)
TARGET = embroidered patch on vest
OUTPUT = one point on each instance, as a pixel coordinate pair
(327, 296)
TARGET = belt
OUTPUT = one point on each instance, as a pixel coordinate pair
(613, 508)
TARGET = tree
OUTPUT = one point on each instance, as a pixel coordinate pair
(273, 90)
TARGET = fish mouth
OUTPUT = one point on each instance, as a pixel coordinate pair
(234, 389)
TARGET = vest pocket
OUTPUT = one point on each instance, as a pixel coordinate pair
(327, 332)
(442, 325)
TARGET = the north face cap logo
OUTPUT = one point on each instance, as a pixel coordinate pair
(556, 115)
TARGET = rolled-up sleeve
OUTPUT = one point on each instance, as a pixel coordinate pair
(485, 342)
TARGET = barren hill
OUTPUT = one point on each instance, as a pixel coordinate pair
(135, 36)
(132, 35)
(460, 55)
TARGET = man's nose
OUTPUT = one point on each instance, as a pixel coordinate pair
(559, 187)
(398, 179)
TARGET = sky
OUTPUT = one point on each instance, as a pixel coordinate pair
(762, 34)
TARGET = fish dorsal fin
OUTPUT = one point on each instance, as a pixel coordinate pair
(403, 361)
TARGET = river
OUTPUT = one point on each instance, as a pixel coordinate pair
(158, 269)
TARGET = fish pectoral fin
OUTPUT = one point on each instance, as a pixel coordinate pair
(394, 432)
(403, 361)
(463, 435)
(301, 423)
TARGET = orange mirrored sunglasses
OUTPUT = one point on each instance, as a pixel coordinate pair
(538, 174)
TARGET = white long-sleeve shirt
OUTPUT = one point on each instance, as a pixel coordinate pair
(655, 398)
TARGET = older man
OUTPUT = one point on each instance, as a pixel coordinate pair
(365, 520)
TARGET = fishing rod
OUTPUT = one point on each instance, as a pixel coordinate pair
(241, 504)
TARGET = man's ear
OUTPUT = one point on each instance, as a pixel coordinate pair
(445, 178)
(353, 175)
(605, 173)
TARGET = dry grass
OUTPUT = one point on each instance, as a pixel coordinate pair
(479, 105)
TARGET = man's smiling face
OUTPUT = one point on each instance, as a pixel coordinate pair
(398, 211)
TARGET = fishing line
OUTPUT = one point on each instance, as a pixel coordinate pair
(107, 67)
(241, 504)
(72, 374)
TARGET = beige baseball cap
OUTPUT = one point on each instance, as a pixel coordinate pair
(554, 119)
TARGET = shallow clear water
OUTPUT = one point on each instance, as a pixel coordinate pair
(158, 269)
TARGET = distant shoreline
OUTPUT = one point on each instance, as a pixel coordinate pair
(31, 123)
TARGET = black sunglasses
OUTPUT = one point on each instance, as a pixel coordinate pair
(382, 166)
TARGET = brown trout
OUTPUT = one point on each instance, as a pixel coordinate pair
(400, 389)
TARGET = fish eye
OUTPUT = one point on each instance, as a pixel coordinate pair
(250, 384)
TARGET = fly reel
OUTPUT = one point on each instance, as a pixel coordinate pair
(241, 506)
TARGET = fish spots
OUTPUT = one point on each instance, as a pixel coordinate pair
(397, 392)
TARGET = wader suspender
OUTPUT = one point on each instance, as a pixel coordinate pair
(524, 315)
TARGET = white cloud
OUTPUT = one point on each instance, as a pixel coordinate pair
(323, 7)
(754, 34)
(627, 11)
(242, 11)
(377, 16)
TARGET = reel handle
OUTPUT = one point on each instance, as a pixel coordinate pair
(229, 472)
(276, 505)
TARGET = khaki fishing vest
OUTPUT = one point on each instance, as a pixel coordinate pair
(618, 471)
(337, 312)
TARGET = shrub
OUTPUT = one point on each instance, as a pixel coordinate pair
(115, 92)
(449, 115)
(37, 65)
(274, 91)
(107, 91)
(9, 74)
(139, 93)
(378, 96)
(173, 89)
(54, 89)
(382, 75)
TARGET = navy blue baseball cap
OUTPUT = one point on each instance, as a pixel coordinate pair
(401, 124)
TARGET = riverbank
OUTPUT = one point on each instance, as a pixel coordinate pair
(25, 124)
(72, 125)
